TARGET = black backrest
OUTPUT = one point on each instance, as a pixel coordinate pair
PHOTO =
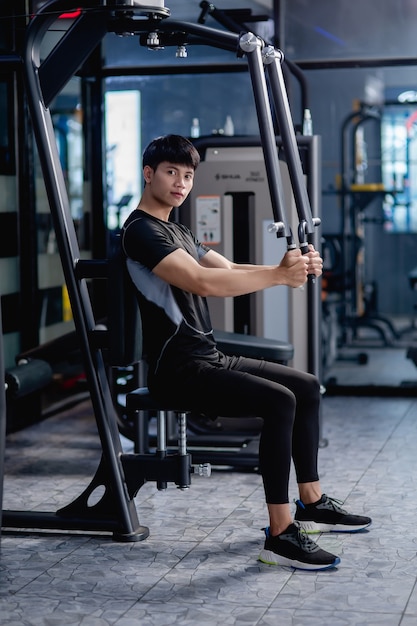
(123, 317)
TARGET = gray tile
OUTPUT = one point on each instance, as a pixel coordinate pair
(323, 617)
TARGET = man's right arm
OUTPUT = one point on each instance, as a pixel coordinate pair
(223, 279)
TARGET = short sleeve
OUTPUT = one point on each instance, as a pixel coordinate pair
(144, 241)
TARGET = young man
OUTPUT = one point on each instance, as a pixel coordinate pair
(173, 273)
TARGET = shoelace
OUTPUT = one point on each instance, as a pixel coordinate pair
(308, 544)
(305, 541)
(336, 504)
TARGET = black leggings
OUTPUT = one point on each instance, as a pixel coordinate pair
(288, 401)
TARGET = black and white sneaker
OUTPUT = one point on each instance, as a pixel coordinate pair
(293, 548)
(327, 516)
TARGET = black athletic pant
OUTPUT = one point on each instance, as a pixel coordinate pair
(288, 401)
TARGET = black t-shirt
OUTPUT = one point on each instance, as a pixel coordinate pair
(176, 324)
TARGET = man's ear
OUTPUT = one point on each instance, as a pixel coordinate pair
(147, 173)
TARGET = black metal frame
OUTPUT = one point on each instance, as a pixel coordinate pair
(2, 420)
(122, 475)
(7, 152)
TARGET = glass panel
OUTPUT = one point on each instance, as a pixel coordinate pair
(340, 29)
(166, 107)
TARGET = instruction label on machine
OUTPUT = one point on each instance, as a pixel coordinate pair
(208, 219)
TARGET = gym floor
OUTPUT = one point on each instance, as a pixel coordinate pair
(199, 565)
(369, 365)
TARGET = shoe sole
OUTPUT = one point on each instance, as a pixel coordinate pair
(316, 527)
(270, 558)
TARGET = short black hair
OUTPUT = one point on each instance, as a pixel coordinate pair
(171, 148)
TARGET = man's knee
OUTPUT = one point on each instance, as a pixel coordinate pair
(283, 405)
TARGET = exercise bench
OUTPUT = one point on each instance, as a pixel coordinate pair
(45, 74)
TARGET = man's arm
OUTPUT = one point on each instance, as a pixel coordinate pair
(217, 276)
(214, 259)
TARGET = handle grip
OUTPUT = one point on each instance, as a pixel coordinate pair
(302, 238)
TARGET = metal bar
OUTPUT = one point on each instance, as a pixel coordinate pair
(161, 70)
(182, 433)
(161, 445)
(2, 419)
(77, 289)
(211, 36)
(325, 64)
(11, 61)
(307, 223)
(70, 52)
(314, 304)
(251, 45)
(273, 59)
(49, 521)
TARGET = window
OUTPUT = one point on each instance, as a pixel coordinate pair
(399, 167)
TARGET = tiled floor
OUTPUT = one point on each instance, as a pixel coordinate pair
(199, 565)
(385, 367)
(368, 363)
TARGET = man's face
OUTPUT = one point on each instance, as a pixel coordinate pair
(170, 183)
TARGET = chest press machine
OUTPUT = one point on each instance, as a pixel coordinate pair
(120, 475)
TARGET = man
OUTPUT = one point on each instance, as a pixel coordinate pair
(173, 274)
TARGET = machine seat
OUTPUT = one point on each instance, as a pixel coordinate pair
(239, 344)
(141, 399)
